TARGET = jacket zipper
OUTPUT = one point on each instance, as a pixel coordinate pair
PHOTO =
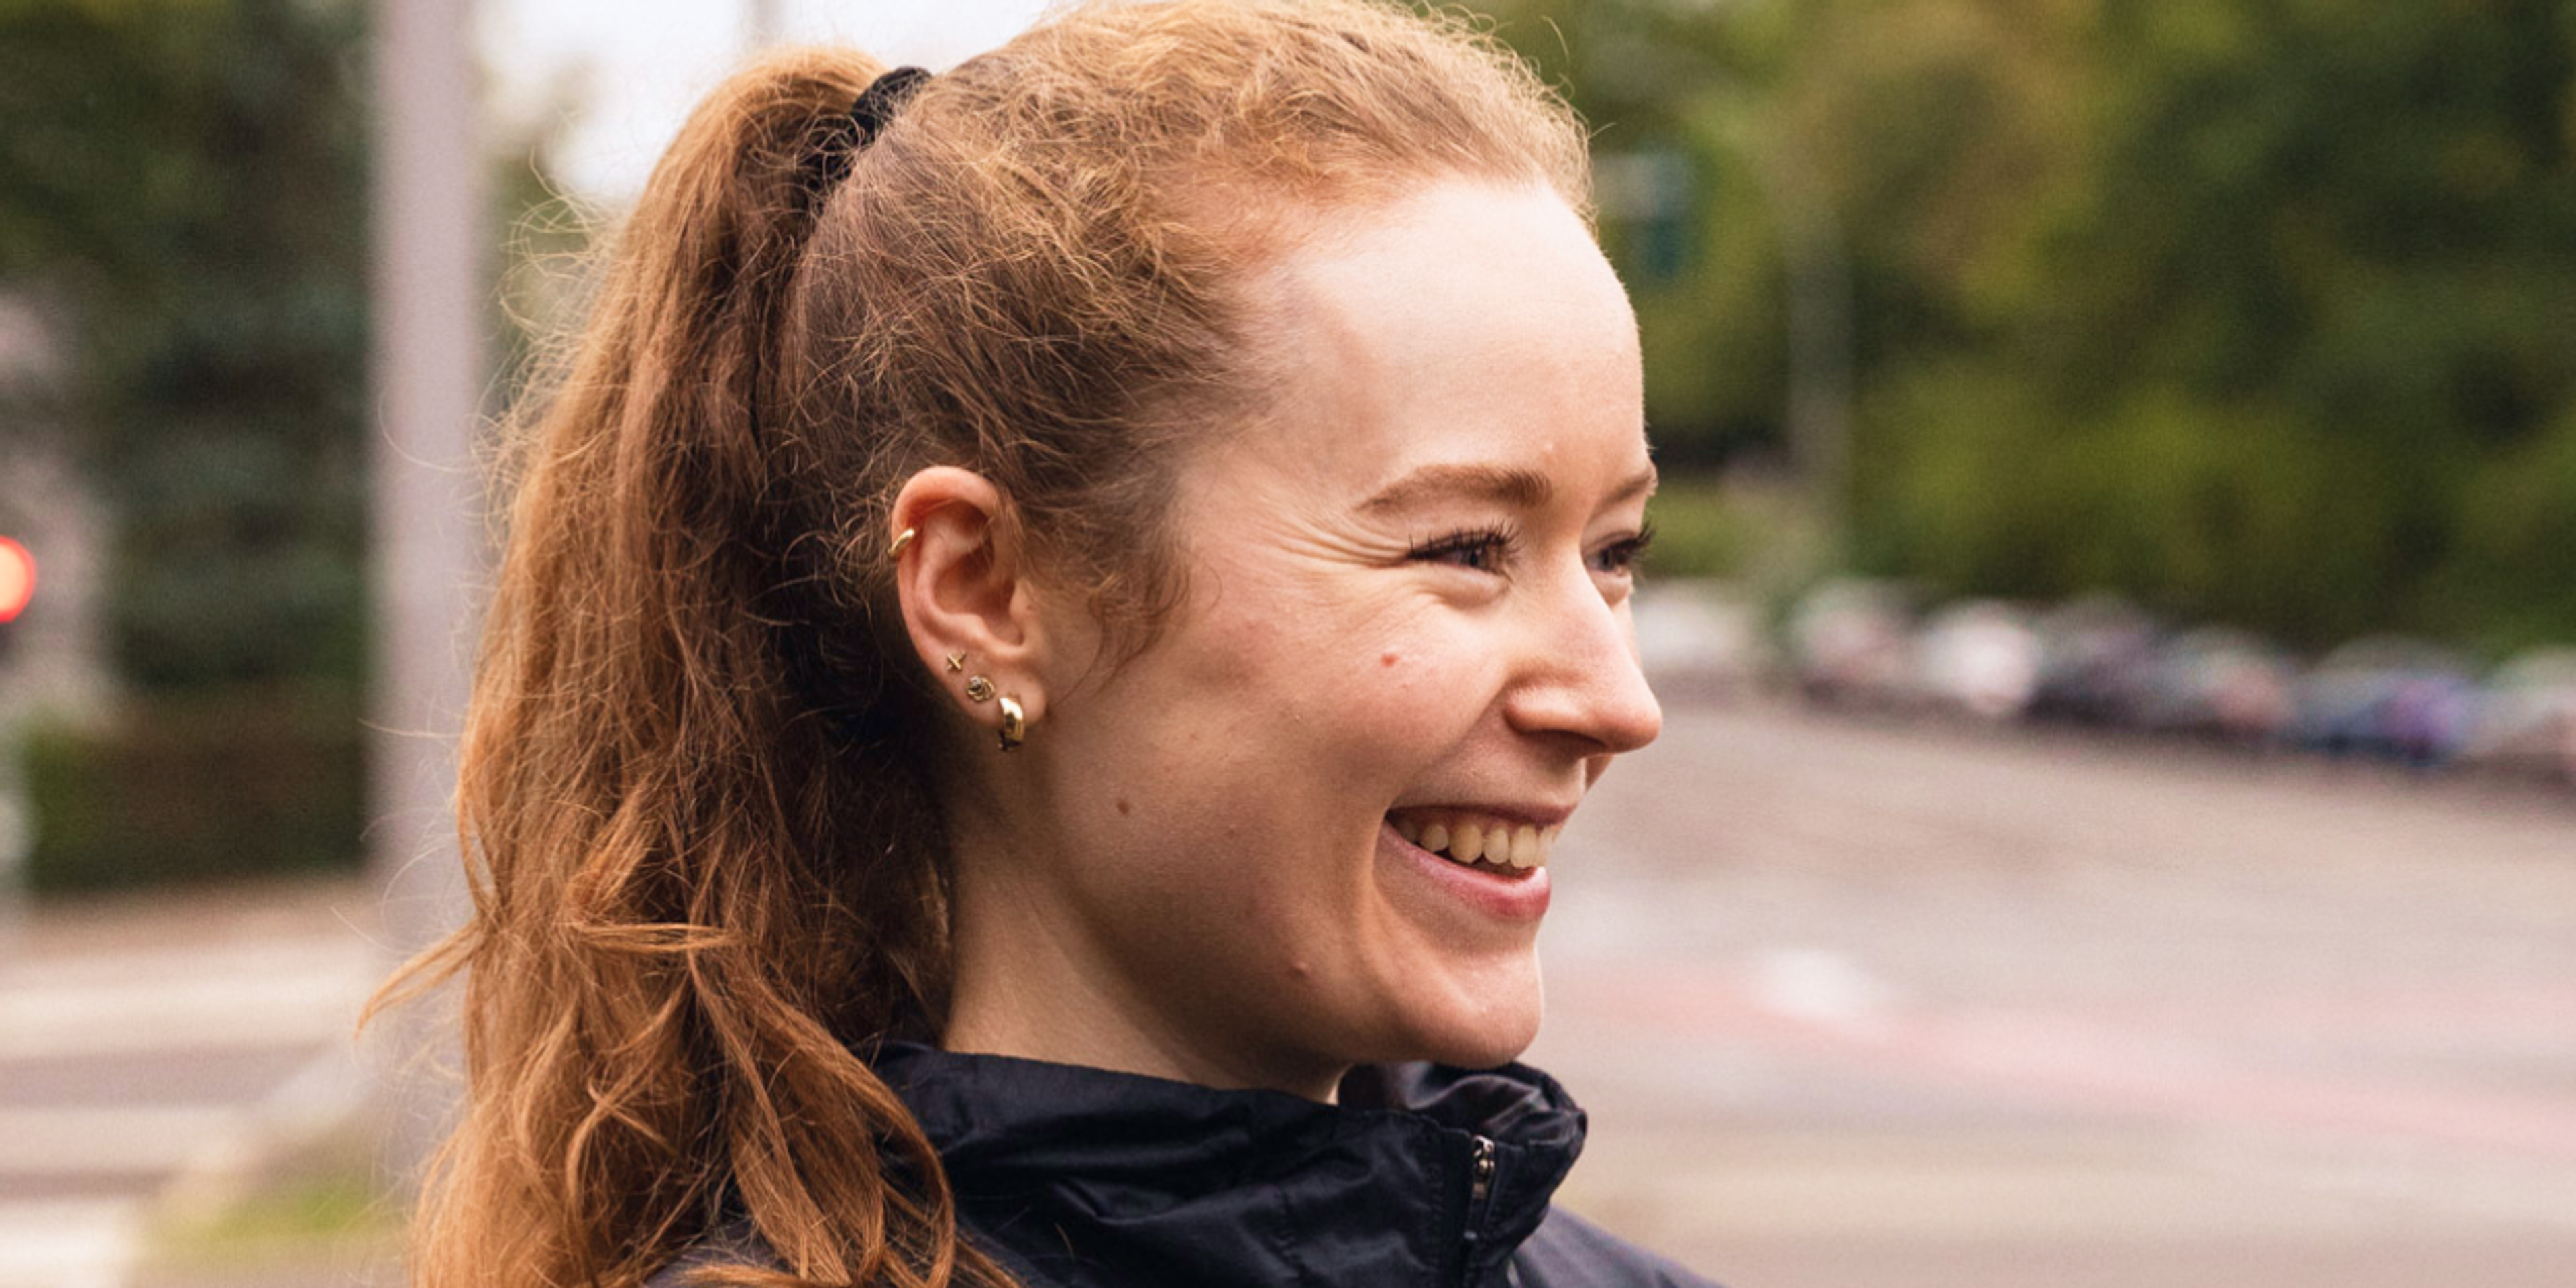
(1480, 1190)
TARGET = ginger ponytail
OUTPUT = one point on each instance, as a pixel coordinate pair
(696, 792)
(689, 892)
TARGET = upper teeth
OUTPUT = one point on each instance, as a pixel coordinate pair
(1467, 838)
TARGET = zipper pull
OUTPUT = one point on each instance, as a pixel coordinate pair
(1480, 1189)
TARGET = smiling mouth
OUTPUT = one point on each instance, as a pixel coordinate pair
(1496, 846)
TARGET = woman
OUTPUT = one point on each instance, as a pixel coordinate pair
(1046, 636)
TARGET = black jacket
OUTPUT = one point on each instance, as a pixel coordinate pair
(1421, 1177)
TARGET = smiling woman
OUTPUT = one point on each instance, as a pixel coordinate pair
(1049, 632)
(1407, 611)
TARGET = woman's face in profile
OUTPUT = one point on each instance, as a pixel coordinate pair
(1407, 623)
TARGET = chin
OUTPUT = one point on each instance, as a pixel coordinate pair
(1488, 1028)
(1489, 1050)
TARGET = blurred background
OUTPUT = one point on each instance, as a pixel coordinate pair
(2115, 603)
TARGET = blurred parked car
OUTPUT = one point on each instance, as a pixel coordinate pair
(1979, 658)
(2221, 683)
(1851, 643)
(2526, 719)
(2388, 698)
(2097, 662)
(1701, 637)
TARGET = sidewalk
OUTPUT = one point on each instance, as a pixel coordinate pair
(157, 1052)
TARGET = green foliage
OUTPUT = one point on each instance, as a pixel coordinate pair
(2249, 309)
(188, 177)
(321, 1212)
(192, 175)
(1741, 528)
(1700, 531)
(2511, 583)
(198, 788)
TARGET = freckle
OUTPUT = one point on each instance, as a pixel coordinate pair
(1123, 806)
(1386, 659)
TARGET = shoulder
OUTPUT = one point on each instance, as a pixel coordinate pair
(1570, 1252)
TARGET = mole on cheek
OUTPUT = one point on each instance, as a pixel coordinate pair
(1387, 659)
(1123, 806)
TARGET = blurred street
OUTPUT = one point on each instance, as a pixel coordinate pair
(1852, 1004)
(155, 1051)
(1874, 1005)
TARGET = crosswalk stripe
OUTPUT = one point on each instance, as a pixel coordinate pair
(313, 1000)
(152, 1139)
(68, 1244)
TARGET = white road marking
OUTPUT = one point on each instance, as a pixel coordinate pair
(60, 1140)
(266, 993)
(1821, 986)
(223, 1000)
(68, 1244)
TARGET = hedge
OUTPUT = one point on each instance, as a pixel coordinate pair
(193, 789)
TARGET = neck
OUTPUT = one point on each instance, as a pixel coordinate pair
(1029, 982)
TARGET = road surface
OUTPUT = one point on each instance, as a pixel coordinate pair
(154, 1050)
(1860, 1005)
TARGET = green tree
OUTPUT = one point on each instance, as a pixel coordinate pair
(190, 176)
(184, 182)
(2247, 308)
(2319, 240)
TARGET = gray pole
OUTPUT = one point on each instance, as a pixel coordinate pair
(1816, 264)
(429, 373)
(760, 21)
(1820, 336)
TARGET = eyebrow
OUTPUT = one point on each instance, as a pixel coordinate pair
(1507, 484)
(1511, 485)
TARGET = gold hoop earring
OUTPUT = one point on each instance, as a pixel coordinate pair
(901, 540)
(1015, 724)
(978, 689)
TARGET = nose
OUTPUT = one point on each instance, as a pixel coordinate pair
(1582, 678)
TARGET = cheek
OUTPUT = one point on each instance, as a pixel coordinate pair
(1435, 675)
(1277, 711)
(1291, 662)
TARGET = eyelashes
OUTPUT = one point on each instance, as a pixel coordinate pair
(1484, 549)
(1490, 549)
(1624, 556)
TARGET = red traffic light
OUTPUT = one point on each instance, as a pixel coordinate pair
(17, 579)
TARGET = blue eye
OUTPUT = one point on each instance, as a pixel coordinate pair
(1481, 549)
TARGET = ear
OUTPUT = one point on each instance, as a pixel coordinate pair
(965, 584)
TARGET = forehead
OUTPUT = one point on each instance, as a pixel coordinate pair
(1457, 322)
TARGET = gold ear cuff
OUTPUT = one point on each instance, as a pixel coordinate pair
(901, 540)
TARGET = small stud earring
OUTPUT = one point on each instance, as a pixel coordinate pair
(901, 539)
(1015, 724)
(956, 661)
(978, 689)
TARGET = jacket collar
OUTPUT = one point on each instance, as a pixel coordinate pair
(1085, 1177)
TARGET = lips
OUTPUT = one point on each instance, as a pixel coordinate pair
(1489, 842)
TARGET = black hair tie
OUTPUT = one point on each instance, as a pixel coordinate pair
(868, 118)
(883, 97)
